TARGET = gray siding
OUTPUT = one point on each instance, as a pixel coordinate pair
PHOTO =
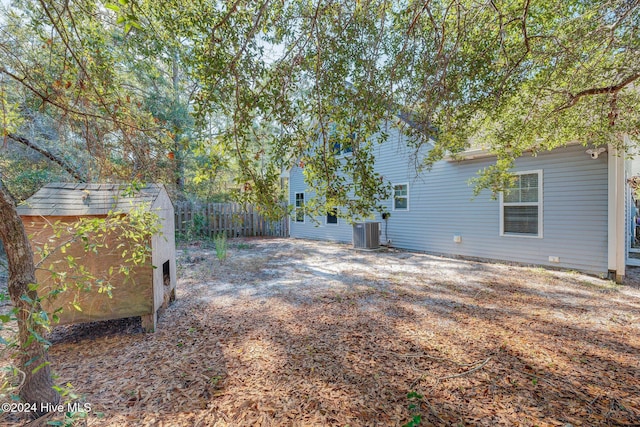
(319, 230)
(441, 205)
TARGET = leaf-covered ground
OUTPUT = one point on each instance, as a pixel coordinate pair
(298, 333)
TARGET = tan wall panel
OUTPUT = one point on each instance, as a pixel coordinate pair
(132, 295)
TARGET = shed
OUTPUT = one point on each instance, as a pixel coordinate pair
(143, 292)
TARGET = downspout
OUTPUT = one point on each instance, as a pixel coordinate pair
(616, 214)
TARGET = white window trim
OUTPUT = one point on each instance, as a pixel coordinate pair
(326, 222)
(539, 203)
(342, 153)
(295, 207)
(326, 217)
(393, 197)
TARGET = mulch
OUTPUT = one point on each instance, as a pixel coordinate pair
(299, 333)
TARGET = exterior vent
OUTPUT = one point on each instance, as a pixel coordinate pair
(366, 235)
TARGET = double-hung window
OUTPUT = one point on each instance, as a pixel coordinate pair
(342, 148)
(299, 208)
(341, 143)
(332, 217)
(401, 197)
(521, 206)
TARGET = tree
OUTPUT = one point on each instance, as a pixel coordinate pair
(523, 76)
(37, 384)
(510, 76)
(61, 65)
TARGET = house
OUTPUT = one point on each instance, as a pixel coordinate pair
(148, 287)
(569, 209)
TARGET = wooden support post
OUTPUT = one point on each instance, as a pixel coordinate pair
(149, 322)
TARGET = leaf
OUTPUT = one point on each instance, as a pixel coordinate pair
(413, 394)
(113, 7)
(415, 421)
(42, 365)
(39, 338)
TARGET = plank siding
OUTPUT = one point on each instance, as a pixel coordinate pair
(442, 204)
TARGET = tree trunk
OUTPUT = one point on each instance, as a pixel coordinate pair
(179, 157)
(37, 388)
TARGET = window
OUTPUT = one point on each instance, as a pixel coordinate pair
(521, 206)
(332, 217)
(299, 211)
(341, 149)
(401, 197)
(340, 143)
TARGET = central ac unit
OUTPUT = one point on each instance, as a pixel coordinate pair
(366, 235)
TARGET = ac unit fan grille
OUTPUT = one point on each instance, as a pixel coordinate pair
(366, 235)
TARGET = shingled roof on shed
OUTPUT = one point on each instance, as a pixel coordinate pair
(62, 199)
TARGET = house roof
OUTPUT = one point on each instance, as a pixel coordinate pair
(64, 199)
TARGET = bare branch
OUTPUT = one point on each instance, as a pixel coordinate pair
(71, 171)
(480, 366)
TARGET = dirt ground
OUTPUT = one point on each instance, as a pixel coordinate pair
(298, 333)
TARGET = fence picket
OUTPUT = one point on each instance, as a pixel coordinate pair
(232, 219)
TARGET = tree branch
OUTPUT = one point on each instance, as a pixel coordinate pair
(525, 13)
(415, 18)
(71, 171)
(574, 98)
(46, 99)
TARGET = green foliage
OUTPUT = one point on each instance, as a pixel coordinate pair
(514, 78)
(10, 118)
(198, 223)
(195, 229)
(293, 79)
(24, 175)
(415, 399)
(80, 81)
(415, 421)
(71, 400)
(222, 246)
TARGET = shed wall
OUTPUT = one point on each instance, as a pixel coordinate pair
(132, 295)
(163, 250)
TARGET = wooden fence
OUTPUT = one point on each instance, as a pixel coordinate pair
(233, 219)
